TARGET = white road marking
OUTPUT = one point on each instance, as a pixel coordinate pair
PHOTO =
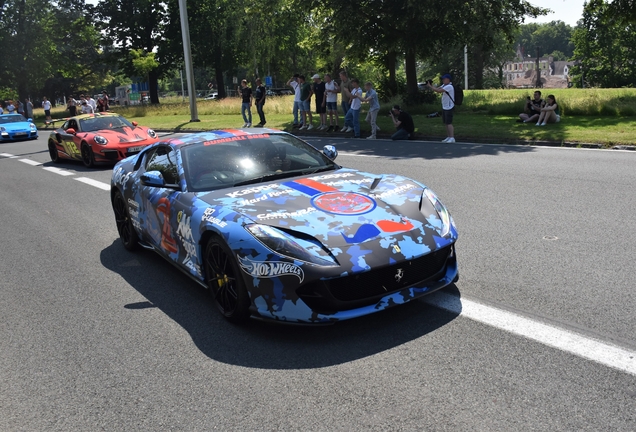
(591, 349)
(95, 183)
(59, 171)
(8, 155)
(30, 162)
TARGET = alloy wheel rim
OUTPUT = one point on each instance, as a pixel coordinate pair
(221, 279)
(122, 220)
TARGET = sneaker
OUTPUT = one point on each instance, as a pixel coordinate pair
(538, 124)
(310, 127)
(244, 124)
(543, 124)
(263, 123)
(249, 125)
(377, 129)
(303, 127)
(330, 129)
(296, 126)
(348, 129)
(445, 140)
(371, 137)
(451, 140)
(336, 128)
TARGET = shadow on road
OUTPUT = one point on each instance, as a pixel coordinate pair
(260, 344)
(417, 149)
(77, 166)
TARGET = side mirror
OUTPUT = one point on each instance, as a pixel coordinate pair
(70, 131)
(152, 178)
(30, 120)
(135, 124)
(330, 151)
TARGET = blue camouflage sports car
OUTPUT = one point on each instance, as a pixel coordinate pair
(275, 229)
(15, 127)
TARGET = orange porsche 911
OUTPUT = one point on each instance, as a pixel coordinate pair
(99, 138)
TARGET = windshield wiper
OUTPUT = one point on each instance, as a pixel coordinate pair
(319, 169)
(268, 177)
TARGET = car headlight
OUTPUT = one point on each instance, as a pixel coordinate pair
(283, 244)
(32, 126)
(100, 140)
(440, 209)
(2, 129)
(152, 134)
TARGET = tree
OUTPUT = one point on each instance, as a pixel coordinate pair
(553, 37)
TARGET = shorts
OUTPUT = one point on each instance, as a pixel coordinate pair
(319, 108)
(47, 113)
(447, 116)
(332, 106)
(305, 106)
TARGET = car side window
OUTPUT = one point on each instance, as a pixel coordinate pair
(164, 160)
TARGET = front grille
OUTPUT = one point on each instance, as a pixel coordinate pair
(385, 280)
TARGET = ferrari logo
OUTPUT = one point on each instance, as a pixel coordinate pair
(396, 249)
(399, 275)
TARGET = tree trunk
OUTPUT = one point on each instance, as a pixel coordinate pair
(478, 57)
(218, 72)
(153, 86)
(391, 60)
(411, 74)
(21, 38)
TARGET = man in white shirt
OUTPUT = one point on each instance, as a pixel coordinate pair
(331, 99)
(46, 104)
(87, 108)
(352, 119)
(293, 83)
(448, 105)
(91, 102)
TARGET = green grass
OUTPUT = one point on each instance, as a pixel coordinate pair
(603, 116)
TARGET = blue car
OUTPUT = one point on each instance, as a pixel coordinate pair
(275, 229)
(15, 127)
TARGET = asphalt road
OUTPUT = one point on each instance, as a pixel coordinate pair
(93, 337)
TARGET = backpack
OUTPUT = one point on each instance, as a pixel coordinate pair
(459, 95)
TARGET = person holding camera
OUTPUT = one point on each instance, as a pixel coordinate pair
(448, 105)
(403, 122)
(532, 109)
(294, 84)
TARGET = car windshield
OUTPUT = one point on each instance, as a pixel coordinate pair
(248, 159)
(103, 123)
(13, 118)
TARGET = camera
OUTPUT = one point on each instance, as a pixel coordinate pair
(429, 82)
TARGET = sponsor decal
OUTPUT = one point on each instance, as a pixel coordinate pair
(120, 177)
(285, 215)
(184, 232)
(343, 203)
(207, 217)
(264, 197)
(133, 204)
(349, 181)
(333, 176)
(399, 275)
(252, 190)
(235, 138)
(167, 242)
(133, 211)
(396, 191)
(270, 269)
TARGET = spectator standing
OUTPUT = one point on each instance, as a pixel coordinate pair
(91, 102)
(28, 108)
(20, 107)
(371, 96)
(106, 100)
(321, 104)
(10, 107)
(1, 109)
(352, 119)
(71, 105)
(331, 99)
(550, 112)
(345, 89)
(403, 123)
(532, 109)
(46, 105)
(260, 95)
(295, 84)
(305, 98)
(87, 108)
(246, 103)
(448, 105)
(101, 107)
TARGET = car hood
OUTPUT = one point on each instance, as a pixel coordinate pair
(16, 127)
(125, 135)
(339, 208)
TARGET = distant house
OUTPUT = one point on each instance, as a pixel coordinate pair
(522, 72)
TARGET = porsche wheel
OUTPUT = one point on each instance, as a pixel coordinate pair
(125, 228)
(224, 281)
(87, 156)
(55, 156)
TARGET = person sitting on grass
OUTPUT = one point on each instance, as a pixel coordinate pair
(532, 110)
(550, 112)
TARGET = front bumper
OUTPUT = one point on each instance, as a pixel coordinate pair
(19, 135)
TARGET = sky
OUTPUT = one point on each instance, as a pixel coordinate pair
(568, 11)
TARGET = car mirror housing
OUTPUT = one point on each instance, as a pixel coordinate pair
(70, 131)
(135, 124)
(152, 178)
(30, 120)
(330, 151)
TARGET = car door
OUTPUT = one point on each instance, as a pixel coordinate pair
(68, 141)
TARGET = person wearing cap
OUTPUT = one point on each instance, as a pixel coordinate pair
(403, 123)
(295, 84)
(448, 105)
(321, 105)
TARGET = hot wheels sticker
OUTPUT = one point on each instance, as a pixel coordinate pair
(270, 269)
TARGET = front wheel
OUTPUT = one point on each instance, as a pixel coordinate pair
(225, 282)
(125, 228)
(53, 153)
(87, 156)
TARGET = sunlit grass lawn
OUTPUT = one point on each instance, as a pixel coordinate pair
(590, 116)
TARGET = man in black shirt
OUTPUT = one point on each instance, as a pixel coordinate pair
(246, 105)
(532, 109)
(321, 105)
(259, 97)
(403, 122)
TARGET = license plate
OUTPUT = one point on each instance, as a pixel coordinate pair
(20, 134)
(135, 149)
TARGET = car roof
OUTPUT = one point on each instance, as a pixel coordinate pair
(223, 134)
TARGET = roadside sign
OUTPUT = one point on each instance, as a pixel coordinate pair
(268, 81)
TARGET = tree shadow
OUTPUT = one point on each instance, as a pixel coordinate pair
(262, 344)
(417, 149)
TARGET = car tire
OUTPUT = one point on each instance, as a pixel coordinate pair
(223, 278)
(53, 153)
(125, 228)
(87, 156)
